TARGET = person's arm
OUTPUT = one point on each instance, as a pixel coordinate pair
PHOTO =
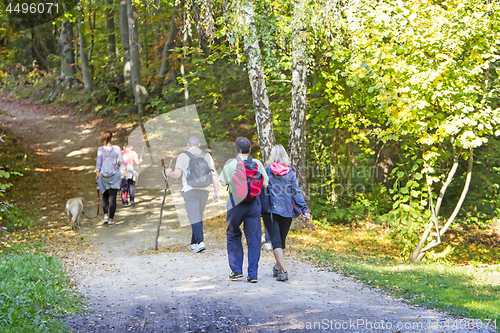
(121, 161)
(224, 175)
(215, 180)
(215, 177)
(262, 170)
(98, 163)
(136, 158)
(298, 197)
(177, 173)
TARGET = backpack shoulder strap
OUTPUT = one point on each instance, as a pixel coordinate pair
(189, 154)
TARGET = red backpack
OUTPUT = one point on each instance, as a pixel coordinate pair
(246, 182)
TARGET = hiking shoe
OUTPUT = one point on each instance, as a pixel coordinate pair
(106, 219)
(268, 247)
(192, 247)
(110, 223)
(199, 247)
(252, 279)
(236, 276)
(283, 276)
(276, 272)
(125, 204)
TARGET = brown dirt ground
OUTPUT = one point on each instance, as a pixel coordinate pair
(131, 288)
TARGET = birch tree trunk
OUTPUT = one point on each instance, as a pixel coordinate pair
(166, 51)
(125, 47)
(87, 77)
(140, 93)
(67, 55)
(297, 141)
(110, 25)
(256, 75)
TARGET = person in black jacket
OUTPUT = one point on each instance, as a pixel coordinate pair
(281, 201)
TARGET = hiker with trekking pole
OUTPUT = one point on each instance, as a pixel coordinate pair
(198, 172)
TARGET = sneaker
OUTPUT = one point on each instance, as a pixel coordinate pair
(252, 279)
(283, 276)
(276, 272)
(236, 276)
(110, 223)
(192, 247)
(106, 219)
(199, 247)
(263, 240)
(125, 204)
(268, 247)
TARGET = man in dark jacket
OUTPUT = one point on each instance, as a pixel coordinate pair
(247, 213)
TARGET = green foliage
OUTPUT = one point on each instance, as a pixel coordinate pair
(34, 294)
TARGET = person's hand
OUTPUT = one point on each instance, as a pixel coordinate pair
(168, 172)
(307, 216)
(216, 197)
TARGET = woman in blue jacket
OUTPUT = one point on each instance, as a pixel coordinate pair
(281, 201)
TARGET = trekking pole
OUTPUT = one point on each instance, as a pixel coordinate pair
(163, 202)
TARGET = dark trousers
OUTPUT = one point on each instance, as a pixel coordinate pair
(131, 189)
(195, 202)
(109, 202)
(278, 228)
(249, 215)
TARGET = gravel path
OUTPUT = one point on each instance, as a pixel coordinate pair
(130, 288)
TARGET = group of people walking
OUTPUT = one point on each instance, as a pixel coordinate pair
(114, 172)
(256, 192)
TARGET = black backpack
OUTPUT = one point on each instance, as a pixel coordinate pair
(198, 172)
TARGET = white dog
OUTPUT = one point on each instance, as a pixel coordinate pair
(74, 208)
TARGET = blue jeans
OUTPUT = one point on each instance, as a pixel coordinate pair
(249, 215)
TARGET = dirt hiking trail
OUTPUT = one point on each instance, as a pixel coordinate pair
(130, 288)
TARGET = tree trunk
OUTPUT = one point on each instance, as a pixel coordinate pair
(297, 141)
(75, 47)
(87, 77)
(67, 56)
(140, 93)
(166, 51)
(384, 164)
(92, 28)
(110, 25)
(127, 80)
(256, 75)
(420, 251)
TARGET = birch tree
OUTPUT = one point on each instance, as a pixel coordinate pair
(297, 140)
(257, 78)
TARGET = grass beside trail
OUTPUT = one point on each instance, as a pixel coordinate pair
(35, 293)
(35, 290)
(467, 289)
